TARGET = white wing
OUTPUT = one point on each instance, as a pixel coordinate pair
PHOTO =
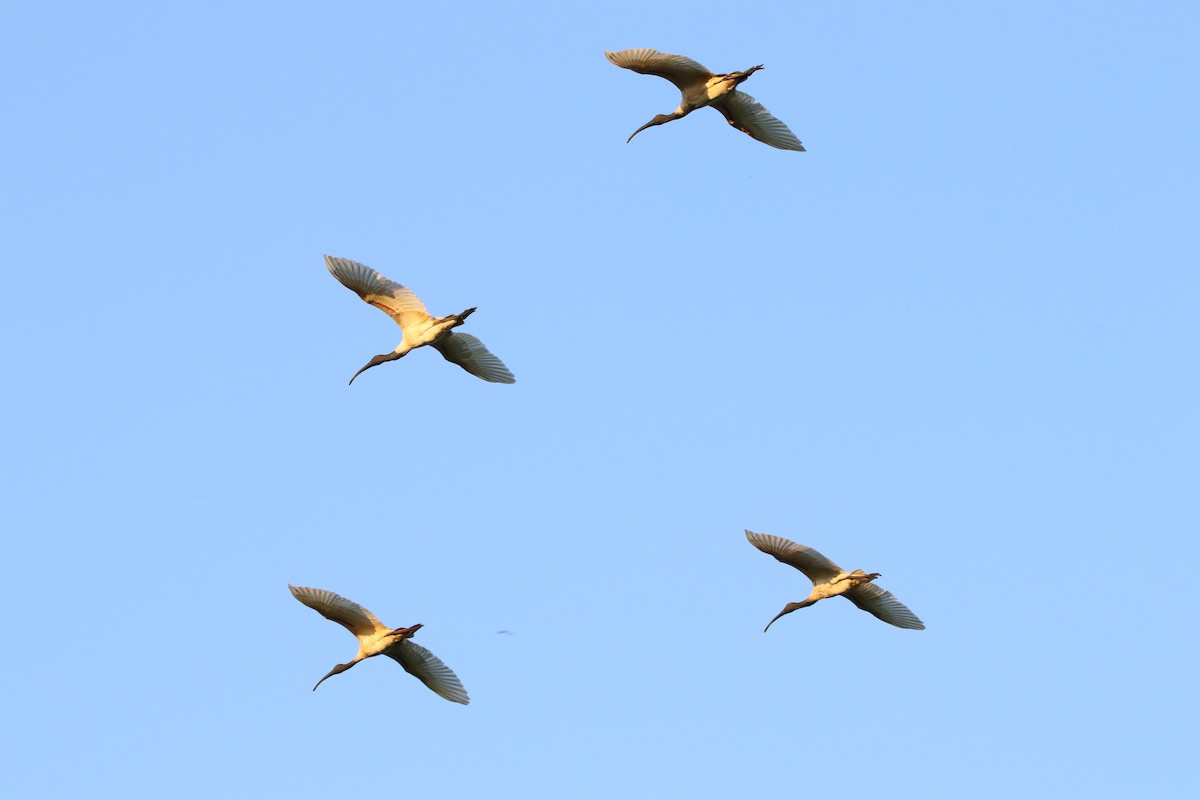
(395, 300)
(817, 567)
(884, 605)
(748, 115)
(470, 354)
(429, 669)
(332, 606)
(679, 70)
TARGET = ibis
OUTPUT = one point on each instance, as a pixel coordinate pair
(830, 580)
(419, 328)
(701, 87)
(375, 638)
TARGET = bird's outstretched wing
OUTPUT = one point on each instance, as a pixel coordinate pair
(395, 300)
(679, 70)
(470, 354)
(748, 115)
(884, 605)
(429, 669)
(354, 617)
(817, 567)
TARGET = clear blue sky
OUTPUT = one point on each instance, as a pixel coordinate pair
(955, 343)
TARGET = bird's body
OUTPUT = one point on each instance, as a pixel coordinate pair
(375, 638)
(418, 327)
(830, 580)
(700, 87)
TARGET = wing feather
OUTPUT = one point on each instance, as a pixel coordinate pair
(750, 117)
(470, 354)
(429, 669)
(354, 617)
(394, 299)
(817, 567)
(883, 604)
(679, 70)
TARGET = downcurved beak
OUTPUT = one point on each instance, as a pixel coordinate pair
(639, 130)
(659, 120)
(789, 608)
(375, 362)
(335, 671)
(769, 624)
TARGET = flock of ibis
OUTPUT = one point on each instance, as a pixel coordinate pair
(699, 88)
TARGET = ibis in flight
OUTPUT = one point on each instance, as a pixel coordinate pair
(420, 329)
(701, 88)
(830, 580)
(375, 638)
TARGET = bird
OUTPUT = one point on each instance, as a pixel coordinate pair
(830, 580)
(420, 329)
(700, 88)
(375, 638)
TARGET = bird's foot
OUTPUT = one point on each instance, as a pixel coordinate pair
(465, 314)
(406, 633)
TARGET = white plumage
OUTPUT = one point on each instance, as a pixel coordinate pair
(420, 329)
(700, 88)
(375, 638)
(830, 580)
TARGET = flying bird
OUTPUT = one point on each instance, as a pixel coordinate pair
(701, 88)
(375, 638)
(830, 580)
(420, 329)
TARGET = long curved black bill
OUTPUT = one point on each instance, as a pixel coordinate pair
(659, 120)
(335, 671)
(375, 362)
(772, 622)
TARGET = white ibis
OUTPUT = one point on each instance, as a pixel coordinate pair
(420, 329)
(701, 88)
(375, 638)
(830, 580)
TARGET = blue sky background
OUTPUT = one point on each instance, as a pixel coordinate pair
(955, 343)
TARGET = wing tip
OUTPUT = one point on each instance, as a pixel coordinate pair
(758, 539)
(343, 268)
(632, 57)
